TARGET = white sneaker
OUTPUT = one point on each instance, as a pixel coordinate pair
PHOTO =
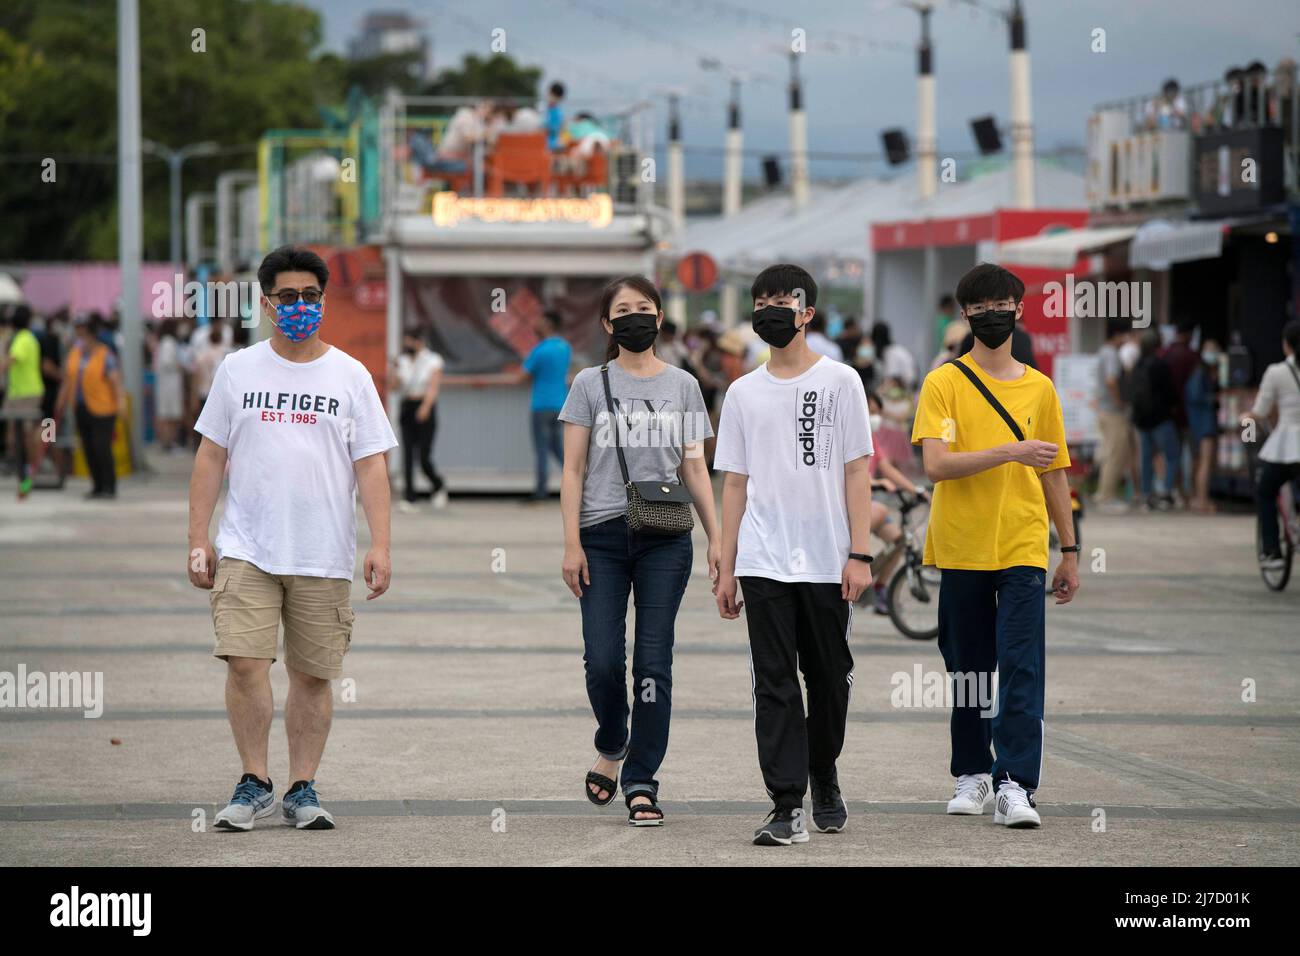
(972, 794)
(407, 507)
(440, 500)
(1013, 808)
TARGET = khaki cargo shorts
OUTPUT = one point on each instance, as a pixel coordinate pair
(248, 605)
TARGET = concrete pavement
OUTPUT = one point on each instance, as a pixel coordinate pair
(466, 731)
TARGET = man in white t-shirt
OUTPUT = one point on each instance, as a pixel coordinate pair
(303, 430)
(795, 440)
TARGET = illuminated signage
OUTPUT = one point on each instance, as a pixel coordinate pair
(450, 209)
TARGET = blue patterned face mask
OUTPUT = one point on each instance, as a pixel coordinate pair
(299, 321)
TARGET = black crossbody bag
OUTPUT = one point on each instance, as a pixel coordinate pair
(990, 398)
(653, 507)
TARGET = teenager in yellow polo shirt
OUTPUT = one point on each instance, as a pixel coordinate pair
(997, 480)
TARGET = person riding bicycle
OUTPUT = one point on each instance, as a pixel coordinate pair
(1279, 459)
(886, 478)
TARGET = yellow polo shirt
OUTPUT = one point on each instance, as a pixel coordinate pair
(998, 518)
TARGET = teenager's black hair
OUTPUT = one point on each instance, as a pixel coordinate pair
(1291, 335)
(640, 284)
(988, 283)
(553, 319)
(784, 279)
(1116, 327)
(20, 317)
(557, 90)
(291, 259)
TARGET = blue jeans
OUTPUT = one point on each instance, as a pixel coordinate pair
(1165, 437)
(655, 569)
(548, 439)
(996, 620)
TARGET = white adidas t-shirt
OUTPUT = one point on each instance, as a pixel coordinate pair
(292, 431)
(792, 437)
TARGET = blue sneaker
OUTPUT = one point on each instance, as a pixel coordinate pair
(252, 800)
(302, 809)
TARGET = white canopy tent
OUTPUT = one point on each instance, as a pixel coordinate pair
(836, 221)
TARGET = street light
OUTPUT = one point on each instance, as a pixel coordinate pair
(175, 159)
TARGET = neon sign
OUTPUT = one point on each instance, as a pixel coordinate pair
(596, 210)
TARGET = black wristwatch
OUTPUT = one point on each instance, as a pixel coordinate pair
(1071, 549)
(861, 557)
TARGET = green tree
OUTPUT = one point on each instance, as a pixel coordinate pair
(497, 75)
(253, 68)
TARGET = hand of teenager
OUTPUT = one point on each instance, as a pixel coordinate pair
(725, 590)
(422, 414)
(379, 571)
(855, 578)
(1032, 452)
(1065, 582)
(575, 571)
(884, 484)
(714, 561)
(202, 565)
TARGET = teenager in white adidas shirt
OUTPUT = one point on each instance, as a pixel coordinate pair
(302, 427)
(794, 441)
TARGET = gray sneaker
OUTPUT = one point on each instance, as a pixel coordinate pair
(302, 809)
(251, 801)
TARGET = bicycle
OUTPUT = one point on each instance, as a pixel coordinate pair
(1277, 575)
(912, 595)
(1288, 536)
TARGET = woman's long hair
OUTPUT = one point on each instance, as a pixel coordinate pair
(640, 284)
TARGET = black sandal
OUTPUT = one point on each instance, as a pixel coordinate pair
(656, 820)
(602, 782)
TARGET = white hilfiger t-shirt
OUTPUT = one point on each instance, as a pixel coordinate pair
(792, 437)
(292, 431)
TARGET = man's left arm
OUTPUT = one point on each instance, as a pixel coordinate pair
(372, 486)
(1056, 493)
(857, 499)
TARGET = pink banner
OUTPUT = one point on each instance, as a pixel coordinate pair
(86, 286)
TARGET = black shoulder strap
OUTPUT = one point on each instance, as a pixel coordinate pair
(989, 397)
(613, 421)
(1291, 369)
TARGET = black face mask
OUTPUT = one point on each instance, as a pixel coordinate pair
(636, 331)
(775, 325)
(993, 327)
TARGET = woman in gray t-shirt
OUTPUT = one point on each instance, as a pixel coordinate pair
(662, 424)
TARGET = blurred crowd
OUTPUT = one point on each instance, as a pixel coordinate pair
(66, 369)
(1248, 96)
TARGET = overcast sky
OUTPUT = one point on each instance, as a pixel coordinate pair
(641, 48)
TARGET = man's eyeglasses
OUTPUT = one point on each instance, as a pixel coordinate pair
(290, 296)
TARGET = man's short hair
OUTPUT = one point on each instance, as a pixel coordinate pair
(784, 279)
(989, 283)
(291, 259)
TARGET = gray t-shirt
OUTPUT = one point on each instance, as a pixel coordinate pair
(1108, 366)
(660, 414)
